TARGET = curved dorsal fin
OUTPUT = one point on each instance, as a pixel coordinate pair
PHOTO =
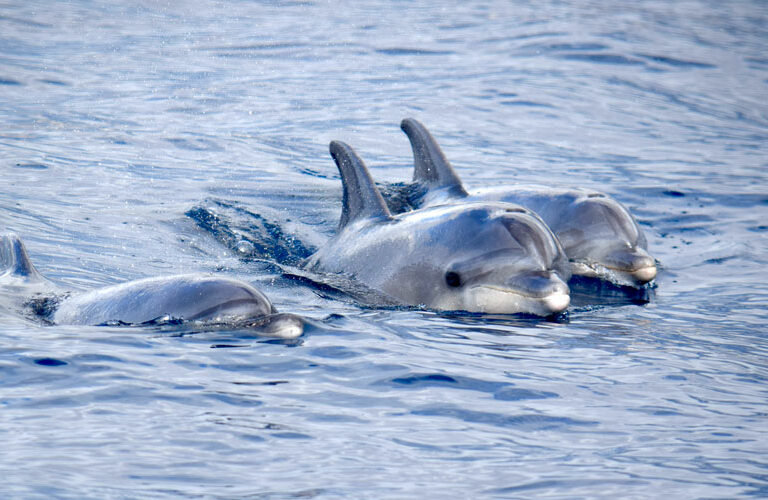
(362, 198)
(14, 259)
(431, 167)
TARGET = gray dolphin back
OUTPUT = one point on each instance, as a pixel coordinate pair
(14, 259)
(361, 198)
(187, 297)
(431, 167)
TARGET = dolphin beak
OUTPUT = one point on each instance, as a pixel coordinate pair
(645, 274)
(635, 262)
(545, 287)
(279, 325)
(557, 302)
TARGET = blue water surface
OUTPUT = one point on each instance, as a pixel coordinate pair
(119, 118)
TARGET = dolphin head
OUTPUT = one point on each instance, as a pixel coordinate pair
(496, 258)
(603, 240)
(203, 299)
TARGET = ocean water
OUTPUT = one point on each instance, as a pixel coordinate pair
(122, 120)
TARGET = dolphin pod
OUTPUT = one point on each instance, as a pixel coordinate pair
(480, 257)
(599, 235)
(194, 298)
(507, 249)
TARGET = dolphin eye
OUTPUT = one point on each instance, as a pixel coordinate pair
(452, 279)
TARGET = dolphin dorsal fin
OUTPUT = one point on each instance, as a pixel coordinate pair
(431, 167)
(14, 259)
(361, 198)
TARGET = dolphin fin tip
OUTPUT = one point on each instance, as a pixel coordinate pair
(14, 259)
(361, 198)
(431, 167)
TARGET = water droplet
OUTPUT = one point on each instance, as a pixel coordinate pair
(244, 247)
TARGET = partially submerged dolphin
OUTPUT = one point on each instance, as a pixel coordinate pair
(479, 257)
(191, 298)
(599, 235)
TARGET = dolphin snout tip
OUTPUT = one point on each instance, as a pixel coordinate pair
(549, 290)
(645, 274)
(634, 263)
(557, 302)
(641, 266)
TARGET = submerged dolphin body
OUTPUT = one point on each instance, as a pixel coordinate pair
(479, 257)
(599, 235)
(194, 298)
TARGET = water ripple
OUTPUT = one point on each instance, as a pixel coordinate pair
(146, 139)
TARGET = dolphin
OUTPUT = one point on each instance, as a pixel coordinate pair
(599, 235)
(478, 257)
(197, 298)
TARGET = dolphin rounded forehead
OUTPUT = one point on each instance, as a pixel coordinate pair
(600, 216)
(186, 296)
(500, 227)
(531, 233)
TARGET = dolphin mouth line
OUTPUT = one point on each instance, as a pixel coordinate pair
(629, 271)
(551, 303)
(642, 274)
(515, 292)
(598, 266)
(645, 274)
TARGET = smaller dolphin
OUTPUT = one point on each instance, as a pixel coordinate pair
(478, 257)
(599, 235)
(194, 298)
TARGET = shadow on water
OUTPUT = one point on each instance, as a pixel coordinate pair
(254, 239)
(588, 292)
(519, 320)
(249, 235)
